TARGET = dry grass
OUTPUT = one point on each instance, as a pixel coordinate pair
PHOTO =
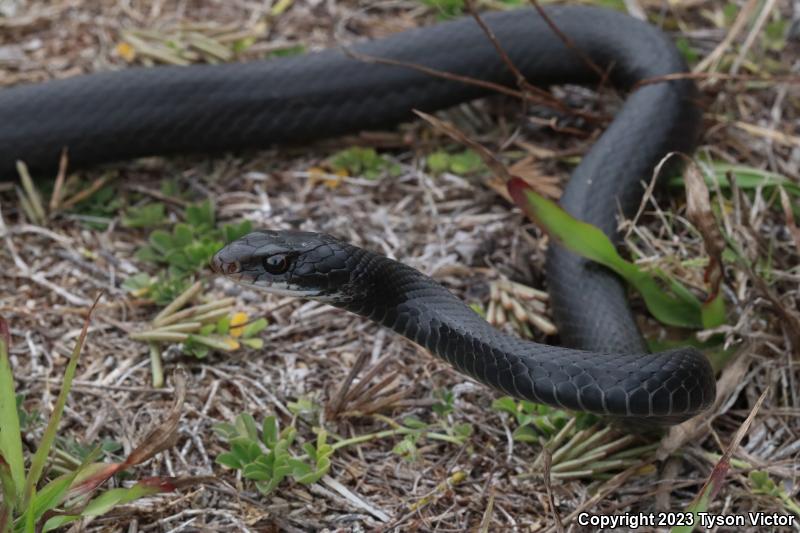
(452, 228)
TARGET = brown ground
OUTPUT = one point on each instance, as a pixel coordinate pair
(452, 228)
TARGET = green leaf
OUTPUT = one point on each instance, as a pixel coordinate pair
(257, 471)
(148, 254)
(241, 45)
(463, 430)
(201, 216)
(178, 259)
(729, 13)
(446, 8)
(269, 431)
(48, 437)
(10, 440)
(56, 491)
(254, 327)
(461, 163)
(169, 187)
(161, 241)
(146, 216)
(182, 235)
(322, 440)
(478, 308)
(255, 344)
(225, 430)
(286, 439)
(591, 243)
(366, 162)
(414, 423)
(466, 162)
(407, 447)
(7, 488)
(223, 325)
(526, 434)
(231, 232)
(690, 54)
(761, 481)
(299, 470)
(310, 450)
(505, 403)
(713, 312)
(230, 460)
(775, 33)
(113, 497)
(746, 178)
(137, 282)
(247, 426)
(763, 484)
(438, 162)
(288, 51)
(302, 406)
(245, 449)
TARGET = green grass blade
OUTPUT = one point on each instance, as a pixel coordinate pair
(43, 450)
(746, 178)
(57, 490)
(10, 441)
(104, 503)
(713, 312)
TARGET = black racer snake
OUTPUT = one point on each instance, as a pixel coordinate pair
(112, 116)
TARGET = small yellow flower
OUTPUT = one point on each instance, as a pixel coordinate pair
(315, 175)
(126, 51)
(238, 321)
(337, 178)
(320, 175)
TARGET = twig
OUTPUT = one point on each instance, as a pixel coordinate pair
(522, 82)
(497, 87)
(85, 193)
(34, 200)
(790, 78)
(335, 406)
(570, 43)
(55, 198)
(766, 9)
(550, 500)
(711, 61)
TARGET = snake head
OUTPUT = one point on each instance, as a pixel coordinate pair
(289, 263)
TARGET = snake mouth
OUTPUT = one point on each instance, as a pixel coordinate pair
(231, 269)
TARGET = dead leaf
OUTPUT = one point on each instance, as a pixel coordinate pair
(165, 435)
(698, 210)
(791, 224)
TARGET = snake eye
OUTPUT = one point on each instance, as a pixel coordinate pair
(276, 264)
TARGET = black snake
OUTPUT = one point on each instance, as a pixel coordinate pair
(147, 111)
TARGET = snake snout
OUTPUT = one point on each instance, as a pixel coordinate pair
(225, 267)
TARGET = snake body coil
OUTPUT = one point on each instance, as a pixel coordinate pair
(137, 112)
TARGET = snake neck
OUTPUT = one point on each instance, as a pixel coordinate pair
(406, 300)
(420, 309)
(665, 387)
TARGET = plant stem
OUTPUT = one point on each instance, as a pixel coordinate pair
(156, 365)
